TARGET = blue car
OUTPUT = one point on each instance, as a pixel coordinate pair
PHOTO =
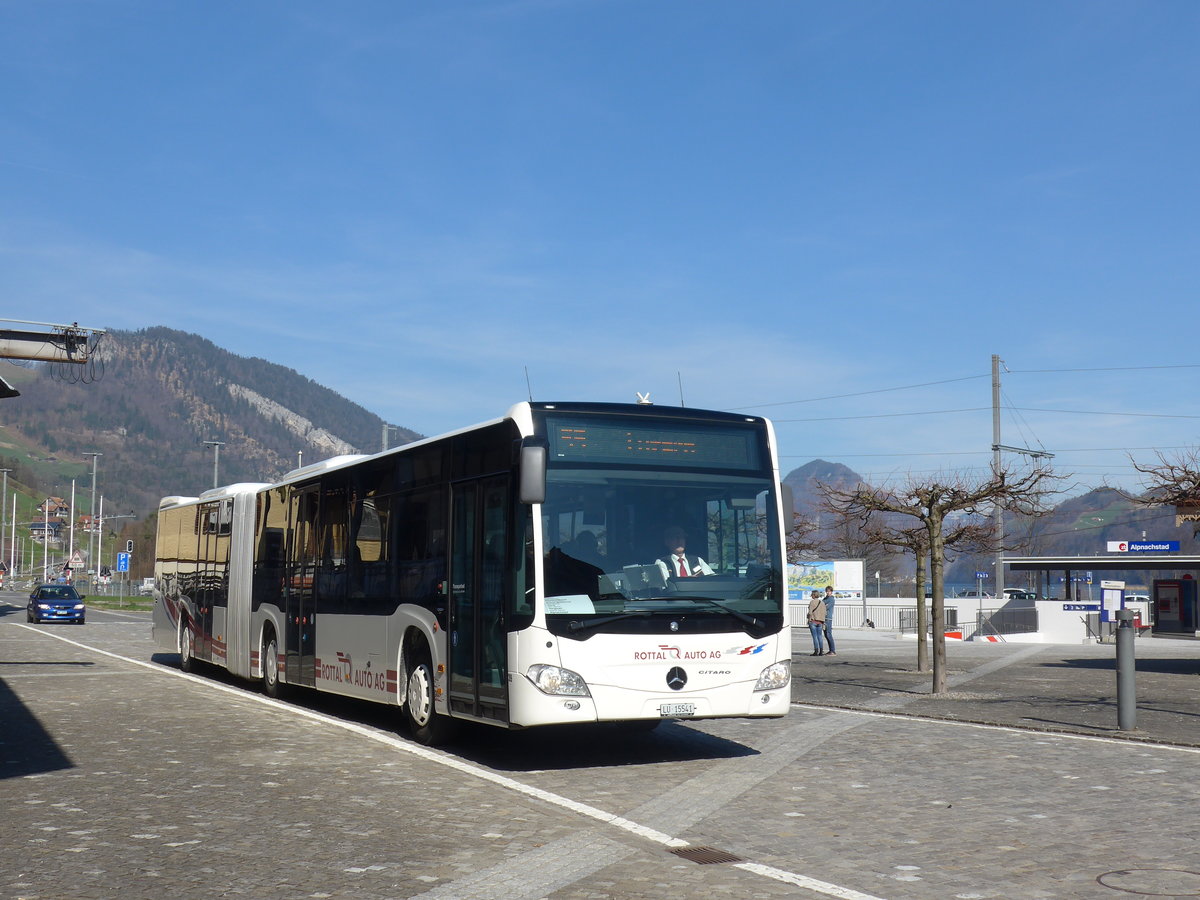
(55, 603)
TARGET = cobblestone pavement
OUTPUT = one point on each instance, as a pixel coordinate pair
(1051, 687)
(119, 776)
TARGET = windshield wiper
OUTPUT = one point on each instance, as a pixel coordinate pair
(576, 626)
(736, 613)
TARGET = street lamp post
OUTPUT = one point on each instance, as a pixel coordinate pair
(92, 517)
(4, 515)
(46, 540)
(387, 433)
(216, 445)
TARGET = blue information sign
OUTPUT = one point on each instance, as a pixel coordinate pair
(122, 562)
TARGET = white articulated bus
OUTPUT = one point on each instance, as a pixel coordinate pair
(516, 573)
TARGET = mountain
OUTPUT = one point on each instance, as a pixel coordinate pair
(805, 483)
(148, 407)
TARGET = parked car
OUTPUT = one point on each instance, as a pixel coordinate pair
(1019, 594)
(55, 603)
(984, 595)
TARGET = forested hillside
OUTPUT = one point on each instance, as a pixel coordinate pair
(158, 395)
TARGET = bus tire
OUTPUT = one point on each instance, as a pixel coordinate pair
(427, 726)
(187, 646)
(271, 684)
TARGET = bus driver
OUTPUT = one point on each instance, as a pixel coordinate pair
(678, 563)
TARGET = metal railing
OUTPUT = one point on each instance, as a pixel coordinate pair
(908, 619)
(849, 614)
(1000, 622)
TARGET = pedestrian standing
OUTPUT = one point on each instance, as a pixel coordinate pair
(816, 621)
(829, 601)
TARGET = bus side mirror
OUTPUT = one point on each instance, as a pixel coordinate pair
(534, 453)
(789, 507)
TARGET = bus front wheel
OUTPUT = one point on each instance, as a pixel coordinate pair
(426, 725)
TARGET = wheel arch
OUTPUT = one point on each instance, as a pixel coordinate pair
(421, 638)
(271, 623)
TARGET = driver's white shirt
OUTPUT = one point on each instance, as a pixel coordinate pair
(670, 566)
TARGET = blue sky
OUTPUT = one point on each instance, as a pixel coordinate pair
(768, 202)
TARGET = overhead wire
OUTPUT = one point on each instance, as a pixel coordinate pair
(906, 387)
(1015, 414)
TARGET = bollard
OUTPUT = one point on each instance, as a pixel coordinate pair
(1126, 691)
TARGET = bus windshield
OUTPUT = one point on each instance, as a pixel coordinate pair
(646, 551)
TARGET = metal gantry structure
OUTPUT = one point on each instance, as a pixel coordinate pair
(53, 343)
(71, 344)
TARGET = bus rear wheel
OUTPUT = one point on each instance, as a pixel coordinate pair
(270, 668)
(187, 647)
(426, 725)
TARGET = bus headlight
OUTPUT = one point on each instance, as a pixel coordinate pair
(553, 680)
(774, 677)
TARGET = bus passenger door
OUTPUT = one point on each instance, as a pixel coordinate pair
(303, 559)
(479, 580)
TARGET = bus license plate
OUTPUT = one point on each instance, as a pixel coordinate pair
(677, 709)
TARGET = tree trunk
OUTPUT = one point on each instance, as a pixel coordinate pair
(922, 615)
(937, 565)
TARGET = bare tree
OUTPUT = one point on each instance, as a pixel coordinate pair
(1174, 481)
(930, 502)
(802, 540)
(967, 537)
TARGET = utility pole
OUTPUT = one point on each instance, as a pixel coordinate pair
(216, 445)
(92, 517)
(996, 468)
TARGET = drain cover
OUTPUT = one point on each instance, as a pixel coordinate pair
(1153, 882)
(706, 856)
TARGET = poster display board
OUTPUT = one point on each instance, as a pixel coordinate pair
(848, 577)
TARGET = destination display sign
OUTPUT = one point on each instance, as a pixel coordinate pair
(630, 441)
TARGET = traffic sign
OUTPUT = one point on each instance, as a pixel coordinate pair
(982, 575)
(122, 562)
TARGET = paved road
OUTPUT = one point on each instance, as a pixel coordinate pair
(123, 777)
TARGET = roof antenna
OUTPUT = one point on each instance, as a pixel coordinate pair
(528, 385)
(643, 399)
(679, 375)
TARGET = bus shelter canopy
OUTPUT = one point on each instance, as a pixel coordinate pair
(1126, 562)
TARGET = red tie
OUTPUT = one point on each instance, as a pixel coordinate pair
(682, 567)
